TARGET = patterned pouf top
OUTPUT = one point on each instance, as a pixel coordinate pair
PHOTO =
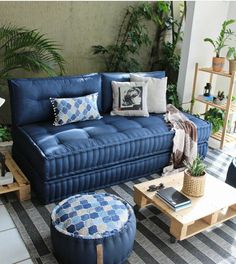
(91, 216)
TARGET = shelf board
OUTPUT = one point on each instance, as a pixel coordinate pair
(201, 99)
(228, 137)
(209, 70)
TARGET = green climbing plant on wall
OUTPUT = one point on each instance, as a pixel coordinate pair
(133, 35)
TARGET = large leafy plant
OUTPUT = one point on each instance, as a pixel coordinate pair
(216, 118)
(21, 48)
(132, 35)
(224, 35)
(165, 53)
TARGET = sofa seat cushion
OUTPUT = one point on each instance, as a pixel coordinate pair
(57, 152)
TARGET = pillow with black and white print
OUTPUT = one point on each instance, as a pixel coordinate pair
(129, 99)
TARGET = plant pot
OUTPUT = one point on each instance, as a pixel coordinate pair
(232, 66)
(192, 185)
(217, 101)
(6, 146)
(218, 64)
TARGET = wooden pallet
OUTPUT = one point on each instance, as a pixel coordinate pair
(216, 206)
(21, 185)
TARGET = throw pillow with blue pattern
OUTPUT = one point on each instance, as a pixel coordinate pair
(70, 110)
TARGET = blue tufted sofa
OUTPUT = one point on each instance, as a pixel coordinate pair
(84, 156)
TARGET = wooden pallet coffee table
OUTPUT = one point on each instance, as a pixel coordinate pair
(216, 206)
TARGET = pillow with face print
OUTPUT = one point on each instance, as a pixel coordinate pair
(129, 98)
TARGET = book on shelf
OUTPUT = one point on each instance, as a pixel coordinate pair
(208, 98)
(173, 198)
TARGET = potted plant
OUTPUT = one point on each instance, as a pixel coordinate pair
(233, 99)
(219, 43)
(216, 118)
(194, 178)
(5, 138)
(231, 56)
(220, 99)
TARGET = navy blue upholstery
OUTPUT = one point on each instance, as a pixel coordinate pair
(116, 245)
(30, 97)
(85, 156)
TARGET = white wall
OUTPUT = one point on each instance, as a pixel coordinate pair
(204, 19)
(222, 83)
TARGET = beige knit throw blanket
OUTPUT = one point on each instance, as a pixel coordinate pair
(184, 141)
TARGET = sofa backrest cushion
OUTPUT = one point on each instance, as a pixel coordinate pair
(30, 101)
(107, 78)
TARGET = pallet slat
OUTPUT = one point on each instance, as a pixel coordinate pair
(228, 137)
(20, 185)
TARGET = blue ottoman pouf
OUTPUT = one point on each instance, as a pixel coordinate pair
(93, 228)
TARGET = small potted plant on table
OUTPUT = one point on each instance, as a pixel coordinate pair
(219, 43)
(194, 178)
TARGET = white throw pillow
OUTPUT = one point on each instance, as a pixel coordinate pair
(129, 98)
(156, 97)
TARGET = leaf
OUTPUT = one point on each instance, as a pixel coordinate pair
(210, 40)
(30, 50)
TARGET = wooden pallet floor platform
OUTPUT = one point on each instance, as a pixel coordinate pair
(21, 184)
(229, 138)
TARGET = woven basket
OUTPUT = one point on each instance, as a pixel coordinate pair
(193, 186)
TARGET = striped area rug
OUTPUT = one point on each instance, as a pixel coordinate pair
(152, 244)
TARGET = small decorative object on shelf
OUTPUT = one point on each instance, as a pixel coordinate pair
(194, 178)
(207, 89)
(220, 99)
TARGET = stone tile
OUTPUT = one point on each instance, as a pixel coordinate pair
(5, 219)
(13, 249)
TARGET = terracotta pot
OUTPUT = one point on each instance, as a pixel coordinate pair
(192, 185)
(218, 64)
(232, 66)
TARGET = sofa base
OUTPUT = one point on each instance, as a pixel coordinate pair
(56, 190)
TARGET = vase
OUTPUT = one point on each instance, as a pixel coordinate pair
(217, 101)
(232, 66)
(193, 185)
(218, 64)
(6, 146)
